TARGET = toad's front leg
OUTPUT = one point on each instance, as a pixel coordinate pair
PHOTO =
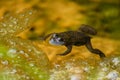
(69, 48)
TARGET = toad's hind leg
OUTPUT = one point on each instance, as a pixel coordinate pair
(91, 49)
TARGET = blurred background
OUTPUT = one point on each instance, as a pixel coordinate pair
(64, 15)
(61, 15)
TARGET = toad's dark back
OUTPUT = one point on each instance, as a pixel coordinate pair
(74, 37)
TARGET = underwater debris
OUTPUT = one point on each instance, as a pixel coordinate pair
(79, 69)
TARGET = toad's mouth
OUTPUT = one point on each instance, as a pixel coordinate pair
(54, 41)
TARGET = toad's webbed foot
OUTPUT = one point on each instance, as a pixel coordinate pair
(96, 51)
(69, 48)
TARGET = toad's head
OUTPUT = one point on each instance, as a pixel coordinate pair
(56, 39)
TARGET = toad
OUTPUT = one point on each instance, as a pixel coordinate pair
(80, 37)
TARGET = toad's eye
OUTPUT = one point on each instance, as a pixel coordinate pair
(61, 39)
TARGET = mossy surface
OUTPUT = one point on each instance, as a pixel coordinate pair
(20, 59)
